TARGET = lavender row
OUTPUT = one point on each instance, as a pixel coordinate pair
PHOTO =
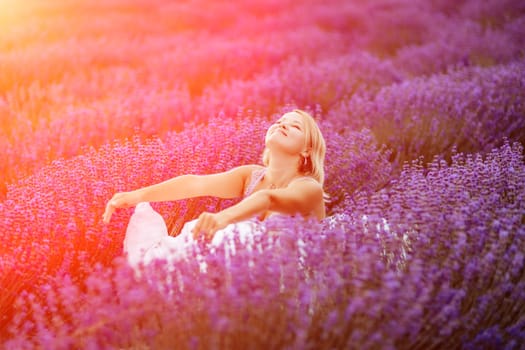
(459, 229)
(471, 109)
(464, 43)
(434, 261)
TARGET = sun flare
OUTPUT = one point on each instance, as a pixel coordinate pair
(11, 11)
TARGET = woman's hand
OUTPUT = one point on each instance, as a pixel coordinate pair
(209, 223)
(120, 200)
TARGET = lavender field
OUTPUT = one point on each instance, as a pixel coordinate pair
(422, 105)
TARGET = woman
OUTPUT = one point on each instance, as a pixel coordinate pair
(289, 183)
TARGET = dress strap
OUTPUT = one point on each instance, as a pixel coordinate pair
(256, 177)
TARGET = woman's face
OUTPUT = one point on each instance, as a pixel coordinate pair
(287, 133)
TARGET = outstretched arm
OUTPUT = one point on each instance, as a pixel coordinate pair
(229, 184)
(300, 197)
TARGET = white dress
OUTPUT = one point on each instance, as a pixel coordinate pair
(147, 235)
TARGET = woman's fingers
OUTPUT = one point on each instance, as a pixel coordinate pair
(110, 209)
(108, 212)
(199, 226)
(205, 226)
(119, 200)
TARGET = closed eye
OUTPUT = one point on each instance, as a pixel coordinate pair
(295, 125)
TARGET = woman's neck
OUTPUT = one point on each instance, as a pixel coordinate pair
(281, 171)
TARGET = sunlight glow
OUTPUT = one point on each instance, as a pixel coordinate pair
(10, 11)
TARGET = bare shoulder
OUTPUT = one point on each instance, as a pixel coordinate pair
(306, 179)
(308, 186)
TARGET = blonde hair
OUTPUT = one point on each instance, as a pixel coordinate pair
(313, 165)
